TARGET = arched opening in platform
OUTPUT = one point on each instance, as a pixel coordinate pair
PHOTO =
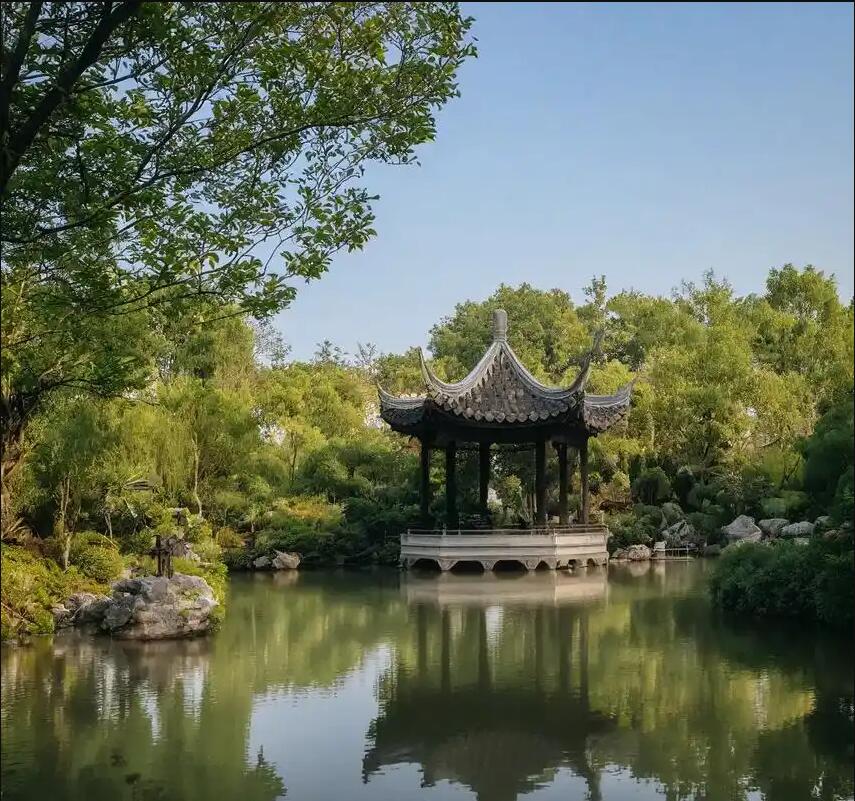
(509, 566)
(426, 564)
(572, 564)
(468, 566)
(542, 566)
(591, 563)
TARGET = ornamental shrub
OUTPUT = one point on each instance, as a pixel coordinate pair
(96, 557)
(812, 582)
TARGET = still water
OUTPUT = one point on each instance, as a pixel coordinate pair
(613, 684)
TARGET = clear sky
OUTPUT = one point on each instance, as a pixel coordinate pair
(648, 143)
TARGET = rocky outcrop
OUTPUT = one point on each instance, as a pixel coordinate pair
(147, 608)
(771, 526)
(159, 608)
(261, 563)
(680, 534)
(803, 529)
(619, 554)
(742, 529)
(80, 609)
(638, 553)
(286, 561)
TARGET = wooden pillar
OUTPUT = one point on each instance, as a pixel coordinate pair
(563, 483)
(483, 475)
(540, 482)
(424, 488)
(451, 485)
(583, 472)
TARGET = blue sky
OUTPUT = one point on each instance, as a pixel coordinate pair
(648, 143)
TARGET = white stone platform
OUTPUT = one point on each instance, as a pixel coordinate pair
(580, 545)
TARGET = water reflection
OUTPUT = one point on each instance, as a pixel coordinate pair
(462, 719)
(619, 684)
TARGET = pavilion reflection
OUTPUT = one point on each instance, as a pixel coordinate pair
(489, 589)
(500, 711)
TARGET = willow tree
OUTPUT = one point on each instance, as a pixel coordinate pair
(169, 159)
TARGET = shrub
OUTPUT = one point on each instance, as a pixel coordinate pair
(215, 574)
(808, 582)
(237, 558)
(96, 557)
(31, 586)
(228, 538)
(652, 486)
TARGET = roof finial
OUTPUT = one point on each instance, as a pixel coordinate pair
(500, 325)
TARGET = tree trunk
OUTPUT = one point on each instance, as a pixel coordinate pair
(196, 477)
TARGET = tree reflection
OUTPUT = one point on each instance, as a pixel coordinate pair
(647, 679)
(500, 684)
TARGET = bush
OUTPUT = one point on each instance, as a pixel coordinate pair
(31, 586)
(652, 486)
(215, 574)
(237, 558)
(807, 582)
(229, 538)
(96, 557)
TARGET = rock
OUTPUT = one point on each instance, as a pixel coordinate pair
(679, 534)
(79, 609)
(184, 550)
(92, 611)
(672, 512)
(742, 529)
(822, 523)
(712, 550)
(771, 526)
(286, 561)
(620, 553)
(261, 562)
(159, 608)
(638, 553)
(803, 529)
(801, 540)
(63, 617)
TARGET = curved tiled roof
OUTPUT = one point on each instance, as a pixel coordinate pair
(500, 390)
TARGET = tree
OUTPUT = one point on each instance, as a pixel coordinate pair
(543, 328)
(156, 156)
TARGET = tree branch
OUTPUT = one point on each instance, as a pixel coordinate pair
(21, 139)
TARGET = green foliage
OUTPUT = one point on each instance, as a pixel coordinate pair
(812, 582)
(829, 453)
(31, 586)
(96, 557)
(214, 573)
(652, 486)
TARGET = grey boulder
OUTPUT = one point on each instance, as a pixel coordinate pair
(159, 608)
(803, 529)
(286, 561)
(742, 529)
(771, 526)
(638, 553)
(261, 562)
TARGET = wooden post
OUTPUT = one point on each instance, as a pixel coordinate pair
(540, 482)
(563, 510)
(424, 493)
(583, 471)
(483, 475)
(451, 485)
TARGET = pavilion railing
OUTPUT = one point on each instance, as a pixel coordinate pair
(573, 528)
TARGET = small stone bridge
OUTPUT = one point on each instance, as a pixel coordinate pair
(556, 547)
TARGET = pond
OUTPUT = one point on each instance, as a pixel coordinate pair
(616, 683)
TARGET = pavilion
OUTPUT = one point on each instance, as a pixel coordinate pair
(501, 403)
